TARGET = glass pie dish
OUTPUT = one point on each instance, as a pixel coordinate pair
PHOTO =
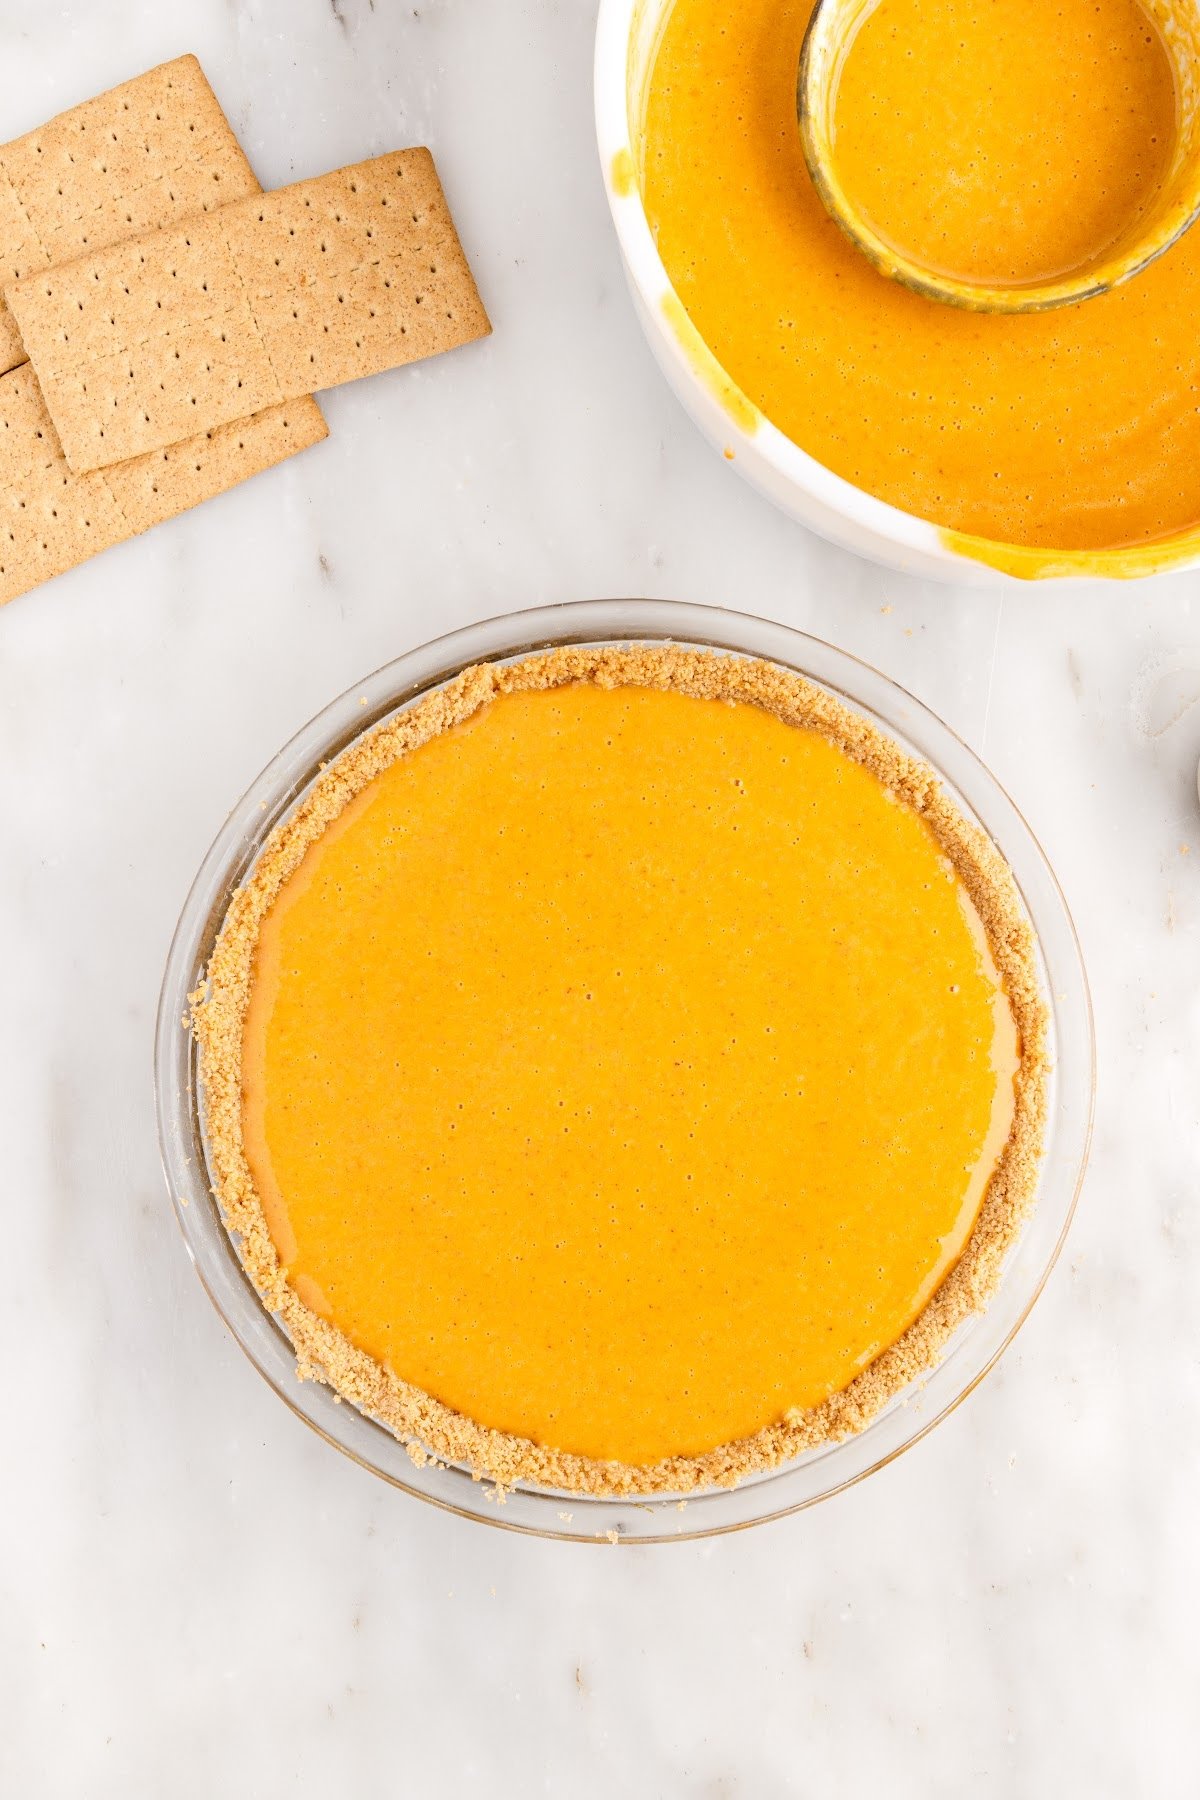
(822, 1471)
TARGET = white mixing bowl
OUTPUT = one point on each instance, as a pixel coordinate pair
(626, 38)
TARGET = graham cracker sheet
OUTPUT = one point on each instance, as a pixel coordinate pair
(144, 155)
(51, 518)
(259, 302)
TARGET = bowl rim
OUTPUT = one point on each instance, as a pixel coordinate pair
(275, 793)
(768, 458)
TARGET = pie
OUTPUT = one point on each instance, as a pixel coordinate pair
(624, 1070)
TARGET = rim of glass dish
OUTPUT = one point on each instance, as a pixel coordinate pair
(974, 1348)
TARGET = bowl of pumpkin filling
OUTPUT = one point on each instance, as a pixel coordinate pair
(1026, 150)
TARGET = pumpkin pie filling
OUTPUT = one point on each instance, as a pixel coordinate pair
(625, 1069)
(993, 141)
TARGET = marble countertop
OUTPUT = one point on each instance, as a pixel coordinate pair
(197, 1596)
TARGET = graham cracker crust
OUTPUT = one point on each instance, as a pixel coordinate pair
(427, 1427)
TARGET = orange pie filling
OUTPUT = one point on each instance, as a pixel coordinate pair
(621, 1071)
(1011, 141)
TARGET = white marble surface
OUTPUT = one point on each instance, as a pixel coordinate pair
(197, 1597)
